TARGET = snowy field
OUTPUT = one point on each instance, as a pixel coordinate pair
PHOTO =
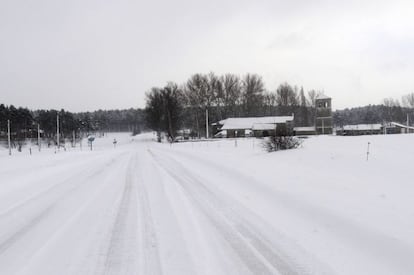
(210, 208)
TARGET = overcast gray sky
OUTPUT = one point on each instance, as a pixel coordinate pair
(90, 54)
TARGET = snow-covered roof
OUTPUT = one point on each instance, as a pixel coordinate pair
(221, 134)
(305, 129)
(236, 123)
(184, 131)
(402, 125)
(362, 127)
(322, 96)
(264, 126)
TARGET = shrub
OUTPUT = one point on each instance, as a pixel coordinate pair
(276, 143)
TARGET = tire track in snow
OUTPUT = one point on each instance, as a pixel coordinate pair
(250, 246)
(132, 238)
(22, 231)
(72, 178)
(50, 164)
(152, 264)
(380, 247)
(17, 213)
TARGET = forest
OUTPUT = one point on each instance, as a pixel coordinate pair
(24, 123)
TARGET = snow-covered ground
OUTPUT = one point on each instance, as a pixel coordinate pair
(210, 208)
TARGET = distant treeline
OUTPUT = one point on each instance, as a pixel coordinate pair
(373, 114)
(174, 106)
(24, 122)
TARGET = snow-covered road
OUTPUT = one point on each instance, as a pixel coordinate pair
(146, 208)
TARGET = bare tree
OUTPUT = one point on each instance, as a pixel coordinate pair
(163, 110)
(408, 100)
(270, 103)
(230, 96)
(172, 100)
(286, 96)
(215, 91)
(392, 109)
(287, 99)
(303, 111)
(201, 92)
(154, 111)
(197, 91)
(312, 95)
(252, 92)
(302, 98)
(390, 102)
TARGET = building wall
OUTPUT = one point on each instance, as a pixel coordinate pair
(264, 133)
(305, 133)
(359, 132)
(236, 133)
(323, 116)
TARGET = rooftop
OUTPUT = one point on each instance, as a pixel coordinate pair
(362, 127)
(305, 129)
(236, 123)
(402, 125)
(322, 96)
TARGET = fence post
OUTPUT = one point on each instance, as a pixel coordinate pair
(38, 136)
(8, 136)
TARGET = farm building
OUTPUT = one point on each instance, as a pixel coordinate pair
(304, 131)
(253, 126)
(374, 129)
(221, 134)
(360, 129)
(398, 128)
(184, 134)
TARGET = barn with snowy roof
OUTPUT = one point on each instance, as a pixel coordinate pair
(359, 129)
(253, 126)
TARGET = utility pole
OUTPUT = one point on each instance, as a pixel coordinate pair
(8, 136)
(368, 151)
(73, 139)
(57, 131)
(38, 136)
(408, 124)
(207, 123)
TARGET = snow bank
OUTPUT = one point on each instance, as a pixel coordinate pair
(355, 215)
(210, 207)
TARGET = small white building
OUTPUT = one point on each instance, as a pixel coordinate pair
(304, 131)
(257, 126)
(359, 129)
(398, 128)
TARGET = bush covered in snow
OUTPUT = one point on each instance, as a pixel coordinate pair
(276, 143)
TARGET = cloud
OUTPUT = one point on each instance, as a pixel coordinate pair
(292, 40)
(94, 54)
